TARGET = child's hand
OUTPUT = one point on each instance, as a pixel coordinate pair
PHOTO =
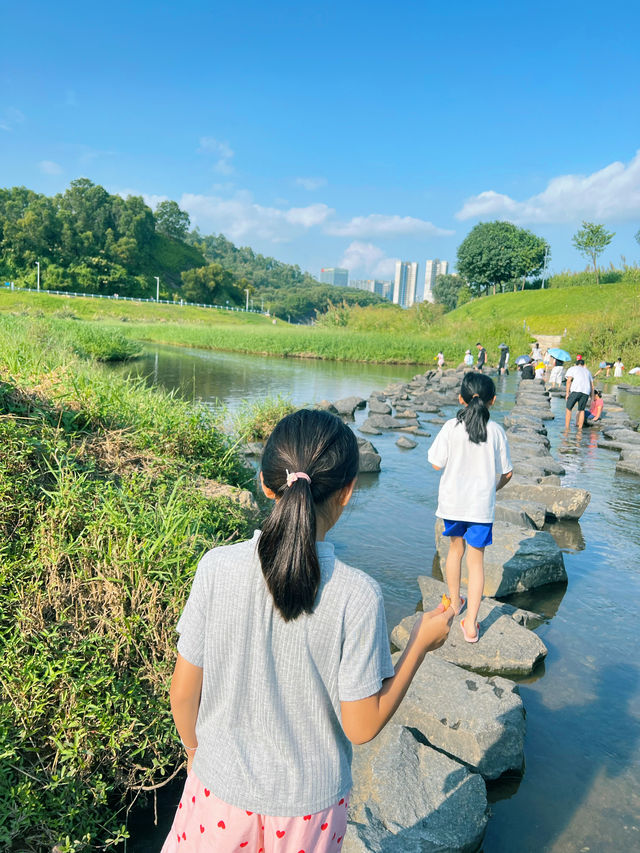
(432, 629)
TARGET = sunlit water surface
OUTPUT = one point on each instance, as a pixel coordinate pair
(581, 787)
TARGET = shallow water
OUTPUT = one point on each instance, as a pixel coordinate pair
(581, 787)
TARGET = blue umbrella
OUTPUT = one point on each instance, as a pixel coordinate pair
(524, 359)
(560, 354)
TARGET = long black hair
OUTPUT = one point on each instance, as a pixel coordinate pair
(477, 390)
(323, 447)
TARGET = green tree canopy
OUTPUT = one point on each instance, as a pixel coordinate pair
(212, 285)
(495, 253)
(446, 290)
(591, 240)
(171, 221)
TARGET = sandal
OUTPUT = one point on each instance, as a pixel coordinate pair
(467, 637)
(463, 601)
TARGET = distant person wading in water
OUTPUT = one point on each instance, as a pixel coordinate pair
(474, 454)
(284, 661)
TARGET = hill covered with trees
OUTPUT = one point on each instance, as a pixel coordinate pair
(90, 241)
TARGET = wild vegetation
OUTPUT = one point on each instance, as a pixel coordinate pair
(103, 516)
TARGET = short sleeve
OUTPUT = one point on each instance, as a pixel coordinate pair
(191, 625)
(503, 457)
(366, 657)
(439, 451)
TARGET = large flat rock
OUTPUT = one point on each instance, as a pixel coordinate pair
(348, 405)
(409, 798)
(521, 513)
(562, 503)
(519, 559)
(474, 719)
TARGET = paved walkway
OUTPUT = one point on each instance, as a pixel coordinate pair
(547, 341)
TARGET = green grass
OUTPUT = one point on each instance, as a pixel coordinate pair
(600, 321)
(103, 516)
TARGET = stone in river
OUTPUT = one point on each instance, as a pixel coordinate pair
(348, 405)
(431, 590)
(474, 719)
(409, 798)
(504, 648)
(379, 407)
(629, 462)
(562, 503)
(521, 513)
(327, 406)
(406, 443)
(387, 422)
(369, 457)
(518, 560)
(368, 429)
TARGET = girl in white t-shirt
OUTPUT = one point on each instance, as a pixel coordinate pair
(284, 661)
(474, 454)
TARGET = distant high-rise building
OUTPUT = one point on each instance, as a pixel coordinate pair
(373, 285)
(405, 283)
(335, 275)
(432, 269)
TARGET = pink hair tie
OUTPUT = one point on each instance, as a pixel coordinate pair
(291, 478)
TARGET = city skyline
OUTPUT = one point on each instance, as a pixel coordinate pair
(139, 102)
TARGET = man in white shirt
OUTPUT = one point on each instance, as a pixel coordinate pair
(579, 390)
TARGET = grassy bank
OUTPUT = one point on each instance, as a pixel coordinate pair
(103, 516)
(600, 321)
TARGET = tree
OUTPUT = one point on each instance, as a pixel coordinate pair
(637, 235)
(495, 253)
(446, 290)
(171, 221)
(591, 240)
(211, 284)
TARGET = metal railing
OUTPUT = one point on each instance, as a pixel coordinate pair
(117, 298)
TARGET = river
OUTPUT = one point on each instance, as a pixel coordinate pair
(581, 786)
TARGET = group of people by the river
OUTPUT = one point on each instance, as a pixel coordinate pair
(283, 655)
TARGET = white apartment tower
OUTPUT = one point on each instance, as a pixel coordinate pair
(405, 283)
(432, 269)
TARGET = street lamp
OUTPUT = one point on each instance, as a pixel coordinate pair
(157, 278)
(246, 290)
(38, 265)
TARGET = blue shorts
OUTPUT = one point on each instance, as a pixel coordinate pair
(476, 533)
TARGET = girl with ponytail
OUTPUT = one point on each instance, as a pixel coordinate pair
(474, 454)
(283, 662)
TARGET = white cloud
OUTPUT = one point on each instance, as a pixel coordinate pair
(379, 225)
(48, 167)
(240, 217)
(10, 118)
(370, 260)
(612, 193)
(311, 183)
(222, 150)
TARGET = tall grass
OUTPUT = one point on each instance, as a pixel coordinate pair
(102, 520)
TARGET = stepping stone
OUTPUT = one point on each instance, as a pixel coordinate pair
(406, 443)
(387, 422)
(348, 405)
(521, 513)
(410, 798)
(367, 429)
(562, 503)
(327, 406)
(379, 407)
(518, 560)
(477, 720)
(629, 462)
(431, 590)
(369, 457)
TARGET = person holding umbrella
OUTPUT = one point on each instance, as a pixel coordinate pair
(557, 372)
(525, 367)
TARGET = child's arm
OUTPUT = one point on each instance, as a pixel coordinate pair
(186, 687)
(363, 719)
(504, 479)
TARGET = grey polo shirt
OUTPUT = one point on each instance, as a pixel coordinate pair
(270, 738)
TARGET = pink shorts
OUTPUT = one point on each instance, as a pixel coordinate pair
(205, 824)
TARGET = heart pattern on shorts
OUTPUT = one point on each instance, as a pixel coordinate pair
(221, 824)
(280, 833)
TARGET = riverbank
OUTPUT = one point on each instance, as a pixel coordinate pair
(601, 322)
(107, 501)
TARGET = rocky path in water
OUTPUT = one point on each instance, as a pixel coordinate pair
(547, 341)
(420, 785)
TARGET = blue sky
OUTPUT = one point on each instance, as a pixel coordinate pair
(328, 134)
